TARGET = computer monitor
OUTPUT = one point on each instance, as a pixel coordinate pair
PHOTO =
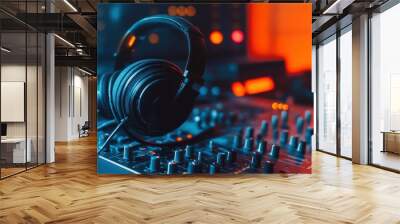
(3, 130)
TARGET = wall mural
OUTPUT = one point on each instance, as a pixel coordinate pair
(208, 89)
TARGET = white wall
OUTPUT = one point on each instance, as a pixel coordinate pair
(61, 103)
(16, 73)
(33, 127)
(71, 94)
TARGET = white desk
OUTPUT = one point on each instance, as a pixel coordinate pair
(18, 149)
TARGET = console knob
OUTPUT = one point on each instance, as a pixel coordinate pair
(190, 167)
(268, 166)
(299, 125)
(129, 154)
(154, 164)
(211, 146)
(249, 132)
(171, 168)
(214, 116)
(213, 169)
(274, 153)
(248, 145)
(301, 149)
(196, 166)
(261, 147)
(200, 156)
(221, 159)
(188, 152)
(274, 122)
(284, 119)
(284, 137)
(236, 142)
(264, 128)
(198, 121)
(275, 135)
(308, 118)
(293, 142)
(255, 160)
(231, 156)
(178, 156)
(309, 134)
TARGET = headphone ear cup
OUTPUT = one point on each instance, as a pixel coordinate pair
(119, 82)
(148, 98)
(145, 93)
(154, 105)
(103, 106)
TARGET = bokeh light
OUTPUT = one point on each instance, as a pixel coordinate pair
(237, 36)
(154, 38)
(216, 37)
(131, 40)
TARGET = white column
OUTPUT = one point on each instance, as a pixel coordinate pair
(50, 99)
(50, 93)
(360, 90)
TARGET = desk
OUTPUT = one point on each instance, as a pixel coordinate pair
(13, 150)
(391, 141)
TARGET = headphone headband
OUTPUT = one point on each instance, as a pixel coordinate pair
(196, 59)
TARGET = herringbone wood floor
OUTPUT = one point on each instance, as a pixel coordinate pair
(70, 191)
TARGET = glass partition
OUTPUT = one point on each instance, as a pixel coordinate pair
(41, 96)
(385, 89)
(14, 143)
(31, 97)
(346, 93)
(327, 95)
(22, 77)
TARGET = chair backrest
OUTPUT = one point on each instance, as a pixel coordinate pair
(86, 124)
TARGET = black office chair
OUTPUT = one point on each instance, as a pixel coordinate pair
(84, 129)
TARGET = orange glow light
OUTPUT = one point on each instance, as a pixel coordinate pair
(131, 41)
(191, 11)
(275, 106)
(279, 106)
(154, 38)
(189, 136)
(179, 139)
(180, 11)
(172, 10)
(238, 89)
(237, 36)
(216, 37)
(259, 85)
(281, 31)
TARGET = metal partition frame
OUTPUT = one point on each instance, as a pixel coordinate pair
(44, 75)
(340, 30)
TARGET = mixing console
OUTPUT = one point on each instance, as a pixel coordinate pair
(243, 135)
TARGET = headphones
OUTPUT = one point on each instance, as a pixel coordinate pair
(151, 97)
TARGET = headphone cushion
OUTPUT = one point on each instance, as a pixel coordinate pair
(146, 95)
(121, 80)
(102, 95)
